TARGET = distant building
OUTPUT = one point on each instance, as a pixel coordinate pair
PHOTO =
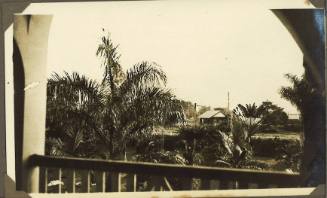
(212, 117)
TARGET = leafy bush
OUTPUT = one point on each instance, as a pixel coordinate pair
(269, 147)
(209, 146)
(286, 151)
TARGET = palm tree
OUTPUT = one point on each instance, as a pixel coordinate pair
(305, 97)
(73, 101)
(311, 104)
(249, 110)
(113, 74)
(91, 119)
(301, 93)
(249, 115)
(140, 103)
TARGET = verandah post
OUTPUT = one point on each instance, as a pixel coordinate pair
(30, 54)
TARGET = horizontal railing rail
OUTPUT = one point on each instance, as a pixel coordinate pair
(243, 178)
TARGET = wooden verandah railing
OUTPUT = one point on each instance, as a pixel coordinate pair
(93, 175)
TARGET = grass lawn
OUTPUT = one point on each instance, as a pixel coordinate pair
(281, 135)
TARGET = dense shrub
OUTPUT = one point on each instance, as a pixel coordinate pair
(209, 146)
(287, 152)
(269, 147)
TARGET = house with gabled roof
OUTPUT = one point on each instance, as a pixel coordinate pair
(212, 117)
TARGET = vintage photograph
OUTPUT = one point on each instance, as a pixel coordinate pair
(168, 96)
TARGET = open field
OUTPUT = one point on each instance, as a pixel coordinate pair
(280, 135)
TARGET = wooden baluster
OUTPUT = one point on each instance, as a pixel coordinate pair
(115, 182)
(232, 185)
(119, 182)
(135, 183)
(131, 182)
(74, 181)
(59, 179)
(100, 179)
(167, 183)
(86, 180)
(46, 180)
(104, 179)
(70, 181)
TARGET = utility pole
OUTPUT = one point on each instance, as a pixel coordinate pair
(196, 114)
(230, 112)
(228, 101)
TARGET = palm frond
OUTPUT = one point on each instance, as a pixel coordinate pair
(143, 74)
(108, 51)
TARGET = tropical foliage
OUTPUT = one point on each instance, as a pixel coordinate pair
(86, 118)
(73, 103)
(249, 116)
(273, 118)
(310, 101)
(121, 110)
(208, 145)
(301, 94)
(249, 110)
(266, 117)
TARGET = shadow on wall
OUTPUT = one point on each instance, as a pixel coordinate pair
(10, 190)
(19, 83)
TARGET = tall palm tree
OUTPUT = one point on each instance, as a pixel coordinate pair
(301, 93)
(110, 61)
(92, 119)
(305, 97)
(311, 104)
(141, 102)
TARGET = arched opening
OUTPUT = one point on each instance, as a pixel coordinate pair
(314, 72)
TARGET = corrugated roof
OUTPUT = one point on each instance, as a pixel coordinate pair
(212, 114)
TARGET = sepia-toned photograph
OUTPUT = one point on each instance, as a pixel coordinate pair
(143, 96)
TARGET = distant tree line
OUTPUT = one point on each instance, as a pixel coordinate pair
(266, 117)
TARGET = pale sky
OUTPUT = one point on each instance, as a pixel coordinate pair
(206, 49)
